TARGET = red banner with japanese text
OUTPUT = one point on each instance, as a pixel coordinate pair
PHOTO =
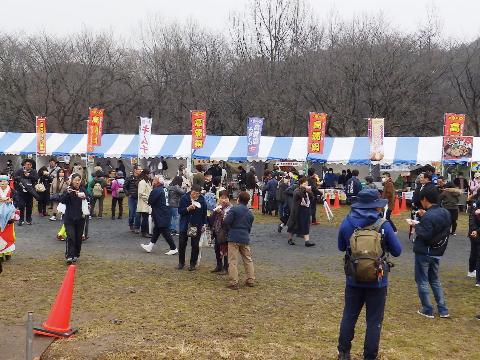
(316, 132)
(199, 128)
(94, 128)
(41, 126)
(454, 124)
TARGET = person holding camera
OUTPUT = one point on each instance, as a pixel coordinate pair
(74, 217)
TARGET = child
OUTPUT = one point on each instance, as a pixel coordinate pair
(218, 233)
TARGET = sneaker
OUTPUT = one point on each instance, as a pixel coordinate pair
(430, 316)
(53, 218)
(309, 244)
(148, 248)
(344, 356)
(472, 274)
(69, 261)
(113, 217)
(477, 317)
(233, 286)
(477, 284)
(192, 268)
(172, 252)
(444, 316)
(20, 223)
(75, 259)
(180, 267)
(280, 228)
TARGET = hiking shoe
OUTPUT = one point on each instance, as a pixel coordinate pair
(472, 274)
(53, 218)
(148, 248)
(180, 267)
(172, 252)
(430, 316)
(309, 244)
(192, 268)
(444, 316)
(232, 286)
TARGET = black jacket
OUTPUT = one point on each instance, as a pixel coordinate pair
(160, 211)
(250, 181)
(73, 204)
(22, 180)
(416, 193)
(131, 186)
(435, 221)
(473, 220)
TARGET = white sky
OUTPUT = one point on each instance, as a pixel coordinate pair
(459, 18)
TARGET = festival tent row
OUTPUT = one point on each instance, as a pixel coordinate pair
(347, 150)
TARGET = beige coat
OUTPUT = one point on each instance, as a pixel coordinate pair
(144, 190)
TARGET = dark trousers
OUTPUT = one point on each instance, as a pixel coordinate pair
(26, 206)
(474, 260)
(388, 217)
(222, 261)
(42, 203)
(100, 206)
(313, 210)
(120, 206)
(73, 242)
(374, 299)
(167, 235)
(144, 223)
(454, 216)
(182, 247)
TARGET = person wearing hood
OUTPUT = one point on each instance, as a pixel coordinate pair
(364, 213)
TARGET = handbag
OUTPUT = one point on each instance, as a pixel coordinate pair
(85, 208)
(192, 230)
(205, 239)
(40, 188)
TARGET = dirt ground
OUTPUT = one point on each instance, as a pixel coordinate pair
(132, 305)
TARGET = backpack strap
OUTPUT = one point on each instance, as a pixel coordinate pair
(377, 225)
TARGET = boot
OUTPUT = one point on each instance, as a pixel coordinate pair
(343, 356)
(148, 248)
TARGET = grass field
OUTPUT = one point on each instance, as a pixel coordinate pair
(139, 310)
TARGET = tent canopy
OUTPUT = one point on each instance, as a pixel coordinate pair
(347, 150)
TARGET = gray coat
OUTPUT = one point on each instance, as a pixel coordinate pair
(174, 195)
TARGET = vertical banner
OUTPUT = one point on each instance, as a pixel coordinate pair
(316, 132)
(453, 124)
(94, 128)
(375, 137)
(41, 126)
(144, 137)
(254, 135)
(199, 128)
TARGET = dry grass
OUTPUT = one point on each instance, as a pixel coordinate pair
(132, 310)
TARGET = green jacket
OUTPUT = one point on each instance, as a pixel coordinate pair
(92, 183)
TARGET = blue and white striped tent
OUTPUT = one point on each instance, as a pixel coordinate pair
(348, 150)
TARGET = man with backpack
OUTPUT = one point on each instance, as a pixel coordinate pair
(367, 239)
(96, 189)
(429, 246)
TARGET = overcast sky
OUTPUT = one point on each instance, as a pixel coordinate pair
(459, 18)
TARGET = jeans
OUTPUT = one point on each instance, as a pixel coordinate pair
(388, 217)
(182, 247)
(374, 300)
(133, 216)
(175, 218)
(144, 228)
(73, 242)
(454, 216)
(426, 275)
(120, 206)
(26, 206)
(166, 235)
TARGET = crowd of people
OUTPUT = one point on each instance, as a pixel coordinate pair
(197, 207)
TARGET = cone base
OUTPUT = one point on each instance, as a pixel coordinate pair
(61, 335)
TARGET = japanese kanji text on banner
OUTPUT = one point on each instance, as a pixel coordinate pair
(94, 128)
(316, 132)
(375, 136)
(144, 137)
(254, 135)
(41, 125)
(454, 124)
(199, 128)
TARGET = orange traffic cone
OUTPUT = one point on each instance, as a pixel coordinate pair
(396, 209)
(328, 199)
(403, 204)
(255, 202)
(58, 322)
(336, 203)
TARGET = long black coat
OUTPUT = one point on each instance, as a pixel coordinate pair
(298, 195)
(160, 209)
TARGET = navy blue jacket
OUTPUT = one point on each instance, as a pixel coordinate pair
(271, 189)
(160, 210)
(238, 221)
(353, 186)
(195, 217)
(435, 221)
(359, 218)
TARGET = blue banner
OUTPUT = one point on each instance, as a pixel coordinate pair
(254, 134)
